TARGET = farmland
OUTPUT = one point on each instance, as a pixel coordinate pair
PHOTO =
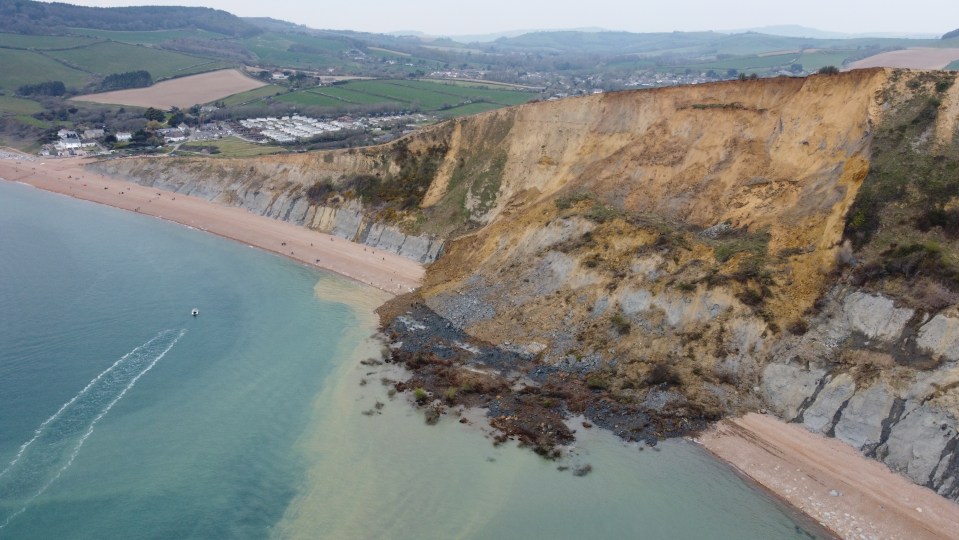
(111, 57)
(182, 92)
(26, 67)
(437, 97)
(918, 58)
(146, 37)
(253, 95)
(23, 41)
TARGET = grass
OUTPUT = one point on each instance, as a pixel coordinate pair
(253, 95)
(145, 37)
(10, 105)
(234, 147)
(23, 41)
(105, 58)
(26, 67)
(902, 224)
(347, 95)
(298, 50)
(307, 98)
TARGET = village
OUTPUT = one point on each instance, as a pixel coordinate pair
(285, 130)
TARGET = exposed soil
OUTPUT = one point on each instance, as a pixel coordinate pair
(182, 92)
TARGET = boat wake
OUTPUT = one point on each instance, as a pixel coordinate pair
(57, 441)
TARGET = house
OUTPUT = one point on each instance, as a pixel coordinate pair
(93, 134)
(279, 76)
(67, 134)
(123, 136)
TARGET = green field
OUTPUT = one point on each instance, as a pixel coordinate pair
(26, 67)
(233, 147)
(309, 99)
(296, 50)
(443, 98)
(112, 57)
(146, 38)
(347, 95)
(474, 93)
(23, 41)
(253, 95)
(17, 106)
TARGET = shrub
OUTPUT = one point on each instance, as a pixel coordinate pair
(564, 203)
(620, 323)
(450, 394)
(663, 373)
(828, 70)
(597, 382)
(798, 327)
(420, 395)
(319, 192)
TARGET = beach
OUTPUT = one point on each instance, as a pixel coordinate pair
(851, 495)
(68, 176)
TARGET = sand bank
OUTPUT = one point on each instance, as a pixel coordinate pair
(851, 495)
(369, 266)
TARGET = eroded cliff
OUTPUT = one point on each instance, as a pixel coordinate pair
(658, 259)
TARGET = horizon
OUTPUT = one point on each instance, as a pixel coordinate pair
(430, 16)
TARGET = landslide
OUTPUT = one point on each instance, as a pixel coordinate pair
(650, 254)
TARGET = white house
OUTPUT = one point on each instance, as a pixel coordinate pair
(123, 136)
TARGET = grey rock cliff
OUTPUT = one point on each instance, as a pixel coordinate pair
(830, 380)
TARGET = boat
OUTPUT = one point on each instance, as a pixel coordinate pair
(195, 312)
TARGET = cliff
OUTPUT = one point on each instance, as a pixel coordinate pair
(658, 259)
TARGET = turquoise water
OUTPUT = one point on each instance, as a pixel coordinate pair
(121, 416)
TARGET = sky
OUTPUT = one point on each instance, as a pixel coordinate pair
(451, 17)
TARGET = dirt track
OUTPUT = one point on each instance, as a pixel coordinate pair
(183, 92)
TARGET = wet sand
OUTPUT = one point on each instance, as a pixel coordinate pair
(853, 496)
(385, 271)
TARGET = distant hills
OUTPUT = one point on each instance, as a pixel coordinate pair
(793, 30)
(26, 17)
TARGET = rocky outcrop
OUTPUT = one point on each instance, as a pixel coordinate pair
(283, 200)
(850, 376)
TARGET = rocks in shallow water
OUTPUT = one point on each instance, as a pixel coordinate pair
(582, 470)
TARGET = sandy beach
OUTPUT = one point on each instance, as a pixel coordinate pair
(385, 271)
(851, 495)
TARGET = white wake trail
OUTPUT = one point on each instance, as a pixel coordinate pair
(85, 409)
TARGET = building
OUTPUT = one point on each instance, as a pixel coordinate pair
(93, 134)
(123, 136)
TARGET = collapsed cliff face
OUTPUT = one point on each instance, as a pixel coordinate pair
(658, 258)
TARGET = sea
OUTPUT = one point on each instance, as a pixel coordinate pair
(268, 415)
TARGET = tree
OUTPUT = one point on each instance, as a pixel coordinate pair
(154, 114)
(828, 70)
(795, 68)
(732, 72)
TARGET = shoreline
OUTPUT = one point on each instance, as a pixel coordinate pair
(68, 176)
(797, 467)
(829, 481)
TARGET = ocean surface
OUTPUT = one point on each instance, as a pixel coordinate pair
(122, 416)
